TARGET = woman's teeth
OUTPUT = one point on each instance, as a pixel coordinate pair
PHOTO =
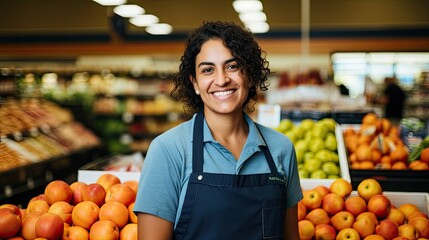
(224, 93)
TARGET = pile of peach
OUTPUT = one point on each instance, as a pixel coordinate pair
(101, 210)
(334, 213)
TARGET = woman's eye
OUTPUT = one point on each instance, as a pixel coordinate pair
(207, 70)
(232, 67)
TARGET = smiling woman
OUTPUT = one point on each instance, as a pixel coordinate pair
(203, 177)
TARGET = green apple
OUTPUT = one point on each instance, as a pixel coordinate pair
(316, 144)
(330, 123)
(333, 176)
(303, 173)
(299, 132)
(301, 144)
(319, 130)
(285, 125)
(319, 173)
(312, 164)
(308, 155)
(307, 124)
(299, 155)
(331, 142)
(291, 135)
(330, 168)
(326, 155)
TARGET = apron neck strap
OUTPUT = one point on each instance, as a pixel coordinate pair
(197, 143)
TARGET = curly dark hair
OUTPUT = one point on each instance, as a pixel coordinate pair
(250, 57)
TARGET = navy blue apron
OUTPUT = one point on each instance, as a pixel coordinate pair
(224, 206)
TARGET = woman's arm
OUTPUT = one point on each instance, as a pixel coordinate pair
(151, 227)
(291, 223)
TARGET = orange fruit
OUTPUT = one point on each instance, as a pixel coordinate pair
(370, 118)
(386, 159)
(399, 166)
(363, 153)
(419, 165)
(366, 165)
(375, 155)
(399, 154)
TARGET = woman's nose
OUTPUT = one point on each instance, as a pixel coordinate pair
(222, 78)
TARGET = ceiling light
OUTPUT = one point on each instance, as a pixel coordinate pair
(144, 20)
(128, 10)
(159, 29)
(110, 2)
(253, 17)
(258, 27)
(247, 5)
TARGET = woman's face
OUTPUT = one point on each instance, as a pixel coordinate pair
(218, 79)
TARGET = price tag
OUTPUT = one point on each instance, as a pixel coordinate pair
(269, 115)
(126, 139)
(45, 128)
(34, 132)
(127, 117)
(17, 136)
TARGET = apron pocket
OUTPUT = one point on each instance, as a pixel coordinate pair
(273, 216)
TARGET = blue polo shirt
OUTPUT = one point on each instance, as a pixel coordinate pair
(168, 165)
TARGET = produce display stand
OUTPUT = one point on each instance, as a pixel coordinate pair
(391, 180)
(17, 184)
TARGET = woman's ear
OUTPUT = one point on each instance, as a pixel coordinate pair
(195, 84)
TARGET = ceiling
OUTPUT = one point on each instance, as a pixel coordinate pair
(85, 16)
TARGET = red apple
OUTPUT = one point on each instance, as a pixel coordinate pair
(374, 237)
(95, 193)
(318, 216)
(62, 209)
(332, 203)
(306, 229)
(302, 211)
(422, 226)
(121, 192)
(107, 180)
(85, 214)
(38, 197)
(76, 233)
(355, 204)
(50, 226)
(14, 208)
(364, 226)
(325, 232)
(408, 231)
(10, 223)
(77, 188)
(379, 205)
(396, 215)
(369, 215)
(38, 205)
(408, 208)
(312, 199)
(348, 234)
(342, 219)
(58, 190)
(28, 226)
(323, 190)
(368, 188)
(387, 229)
(341, 187)
(104, 230)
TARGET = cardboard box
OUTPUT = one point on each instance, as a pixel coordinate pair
(93, 170)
